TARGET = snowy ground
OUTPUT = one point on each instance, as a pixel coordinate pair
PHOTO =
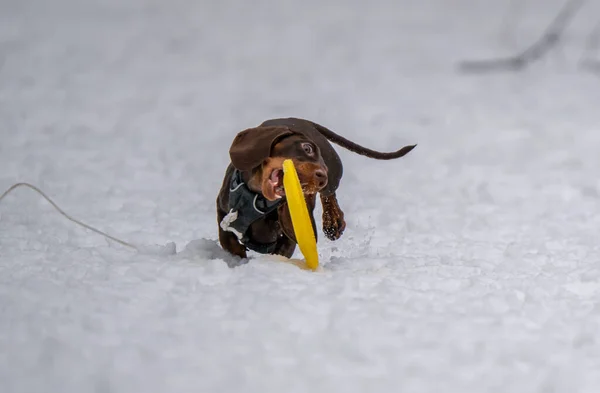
(471, 265)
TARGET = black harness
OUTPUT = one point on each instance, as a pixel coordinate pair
(245, 207)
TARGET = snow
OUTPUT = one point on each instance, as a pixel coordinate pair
(470, 265)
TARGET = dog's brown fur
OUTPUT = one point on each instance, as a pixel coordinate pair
(256, 152)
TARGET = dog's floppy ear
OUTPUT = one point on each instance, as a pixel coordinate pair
(250, 147)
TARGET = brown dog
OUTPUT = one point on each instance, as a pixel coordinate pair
(251, 208)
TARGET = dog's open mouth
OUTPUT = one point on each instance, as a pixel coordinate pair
(276, 181)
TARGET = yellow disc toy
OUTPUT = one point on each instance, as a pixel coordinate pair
(303, 228)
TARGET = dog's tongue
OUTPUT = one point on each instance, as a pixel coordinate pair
(277, 176)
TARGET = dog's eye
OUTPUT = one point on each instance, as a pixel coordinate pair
(308, 149)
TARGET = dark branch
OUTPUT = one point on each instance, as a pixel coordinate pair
(536, 51)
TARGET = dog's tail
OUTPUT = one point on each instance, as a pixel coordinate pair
(358, 149)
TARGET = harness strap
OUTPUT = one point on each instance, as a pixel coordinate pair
(245, 207)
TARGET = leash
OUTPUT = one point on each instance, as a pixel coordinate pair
(64, 214)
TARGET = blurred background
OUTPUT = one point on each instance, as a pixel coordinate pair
(131, 93)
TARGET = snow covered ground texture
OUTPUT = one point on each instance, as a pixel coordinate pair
(470, 265)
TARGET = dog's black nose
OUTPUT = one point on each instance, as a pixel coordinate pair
(321, 178)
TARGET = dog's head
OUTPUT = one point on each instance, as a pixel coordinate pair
(260, 151)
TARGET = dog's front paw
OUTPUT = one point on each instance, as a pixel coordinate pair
(333, 224)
